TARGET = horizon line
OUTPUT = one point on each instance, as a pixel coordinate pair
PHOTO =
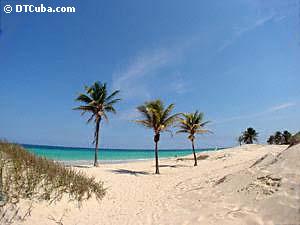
(132, 149)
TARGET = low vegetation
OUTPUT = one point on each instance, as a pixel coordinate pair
(24, 176)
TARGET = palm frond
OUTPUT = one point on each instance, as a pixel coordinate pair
(155, 116)
(182, 131)
(84, 98)
(110, 97)
(105, 116)
(110, 108)
(114, 101)
(144, 123)
(97, 102)
(192, 123)
(204, 123)
(170, 120)
(167, 112)
(202, 131)
(85, 108)
(146, 114)
(90, 119)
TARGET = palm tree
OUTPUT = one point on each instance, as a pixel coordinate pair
(97, 102)
(249, 136)
(192, 124)
(278, 138)
(271, 140)
(155, 116)
(286, 137)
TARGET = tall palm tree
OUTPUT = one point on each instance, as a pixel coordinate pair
(155, 116)
(249, 136)
(98, 103)
(192, 124)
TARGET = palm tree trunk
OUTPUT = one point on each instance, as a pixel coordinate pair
(96, 141)
(156, 159)
(195, 158)
(156, 139)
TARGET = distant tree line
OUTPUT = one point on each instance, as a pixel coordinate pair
(250, 135)
(280, 138)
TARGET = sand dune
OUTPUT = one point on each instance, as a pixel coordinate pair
(252, 184)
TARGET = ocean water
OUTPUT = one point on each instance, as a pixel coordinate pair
(68, 154)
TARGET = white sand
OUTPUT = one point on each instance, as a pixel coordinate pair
(184, 194)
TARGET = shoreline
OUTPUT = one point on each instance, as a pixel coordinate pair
(87, 163)
(127, 156)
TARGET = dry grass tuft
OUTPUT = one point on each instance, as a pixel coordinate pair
(26, 176)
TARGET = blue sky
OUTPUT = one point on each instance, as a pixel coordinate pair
(237, 61)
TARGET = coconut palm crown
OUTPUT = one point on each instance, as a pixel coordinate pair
(97, 102)
(158, 118)
(192, 124)
(249, 136)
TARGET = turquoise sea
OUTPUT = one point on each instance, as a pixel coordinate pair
(70, 154)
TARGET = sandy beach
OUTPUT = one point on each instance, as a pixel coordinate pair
(251, 184)
(150, 112)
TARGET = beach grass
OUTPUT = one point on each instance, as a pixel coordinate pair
(24, 176)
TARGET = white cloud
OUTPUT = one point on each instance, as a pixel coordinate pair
(266, 10)
(245, 29)
(134, 79)
(131, 79)
(259, 22)
(142, 65)
(282, 106)
(268, 111)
